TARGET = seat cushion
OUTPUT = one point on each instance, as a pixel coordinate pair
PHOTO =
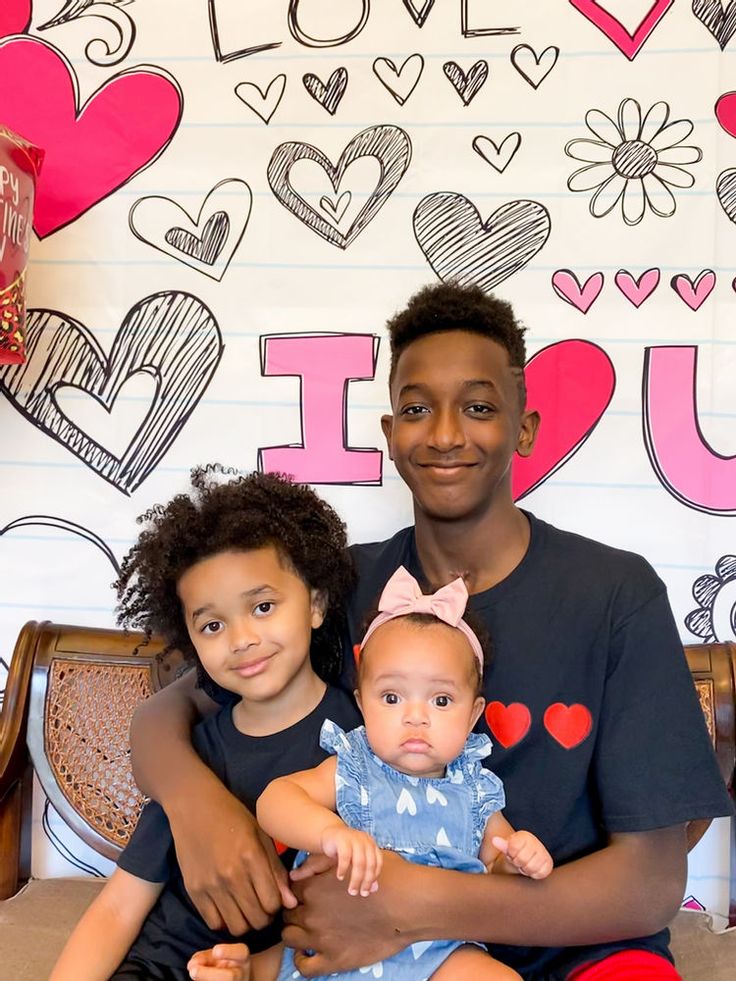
(700, 953)
(36, 922)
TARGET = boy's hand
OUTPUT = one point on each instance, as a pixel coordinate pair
(357, 851)
(225, 962)
(230, 867)
(525, 853)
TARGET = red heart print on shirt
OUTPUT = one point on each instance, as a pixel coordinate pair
(91, 149)
(570, 725)
(508, 723)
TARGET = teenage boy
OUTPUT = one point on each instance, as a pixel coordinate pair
(598, 734)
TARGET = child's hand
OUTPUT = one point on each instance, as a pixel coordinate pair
(225, 962)
(357, 851)
(525, 853)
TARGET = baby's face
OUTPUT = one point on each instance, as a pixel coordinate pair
(417, 694)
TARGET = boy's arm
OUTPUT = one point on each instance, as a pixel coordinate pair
(231, 870)
(107, 930)
(631, 888)
(298, 808)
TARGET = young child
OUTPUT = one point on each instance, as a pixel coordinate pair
(248, 577)
(411, 778)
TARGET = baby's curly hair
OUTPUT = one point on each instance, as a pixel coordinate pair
(244, 513)
(451, 306)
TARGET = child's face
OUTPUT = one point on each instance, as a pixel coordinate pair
(417, 695)
(250, 619)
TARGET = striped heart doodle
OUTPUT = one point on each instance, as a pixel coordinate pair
(329, 94)
(460, 246)
(718, 17)
(206, 244)
(467, 85)
(170, 336)
(389, 145)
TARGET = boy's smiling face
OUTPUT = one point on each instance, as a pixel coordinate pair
(250, 619)
(457, 422)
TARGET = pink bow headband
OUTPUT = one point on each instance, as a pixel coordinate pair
(401, 595)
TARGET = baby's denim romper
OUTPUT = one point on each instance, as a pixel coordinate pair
(438, 822)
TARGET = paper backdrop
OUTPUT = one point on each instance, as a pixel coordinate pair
(236, 196)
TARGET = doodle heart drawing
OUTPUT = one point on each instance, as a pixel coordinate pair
(498, 155)
(328, 94)
(171, 337)
(402, 81)
(533, 67)
(338, 220)
(206, 243)
(460, 246)
(466, 84)
(628, 42)
(263, 103)
(718, 17)
(91, 150)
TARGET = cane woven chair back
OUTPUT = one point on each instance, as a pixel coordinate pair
(85, 686)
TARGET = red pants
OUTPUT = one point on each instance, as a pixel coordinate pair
(630, 965)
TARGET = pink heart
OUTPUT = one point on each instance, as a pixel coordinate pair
(567, 286)
(694, 293)
(92, 151)
(628, 44)
(725, 110)
(15, 16)
(637, 290)
(570, 384)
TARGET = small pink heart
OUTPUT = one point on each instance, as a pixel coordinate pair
(15, 17)
(567, 286)
(725, 110)
(637, 290)
(694, 293)
(570, 384)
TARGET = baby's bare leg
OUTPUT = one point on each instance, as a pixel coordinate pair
(265, 966)
(471, 962)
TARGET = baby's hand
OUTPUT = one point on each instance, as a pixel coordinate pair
(357, 851)
(525, 853)
(225, 962)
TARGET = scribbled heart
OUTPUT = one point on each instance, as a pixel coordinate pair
(498, 155)
(694, 293)
(208, 243)
(508, 723)
(400, 82)
(567, 286)
(330, 95)
(570, 725)
(533, 67)
(628, 44)
(720, 20)
(467, 85)
(460, 246)
(90, 151)
(726, 191)
(263, 104)
(420, 11)
(389, 145)
(15, 17)
(725, 110)
(336, 209)
(638, 290)
(570, 384)
(171, 336)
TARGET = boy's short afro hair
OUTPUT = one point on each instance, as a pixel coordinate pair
(240, 514)
(451, 306)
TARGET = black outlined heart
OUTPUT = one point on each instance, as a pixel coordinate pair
(719, 20)
(459, 246)
(263, 104)
(400, 82)
(498, 155)
(532, 66)
(206, 247)
(330, 95)
(467, 85)
(171, 336)
(390, 146)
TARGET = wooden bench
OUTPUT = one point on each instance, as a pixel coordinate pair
(70, 695)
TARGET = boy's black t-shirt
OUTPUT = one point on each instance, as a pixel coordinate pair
(174, 930)
(591, 708)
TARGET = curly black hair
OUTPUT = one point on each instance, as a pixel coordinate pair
(244, 513)
(451, 306)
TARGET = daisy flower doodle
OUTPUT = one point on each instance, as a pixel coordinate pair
(635, 160)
